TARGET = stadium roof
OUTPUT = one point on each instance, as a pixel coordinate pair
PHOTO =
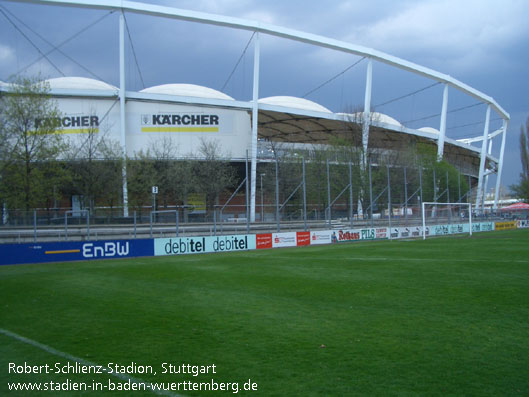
(187, 90)
(294, 103)
(430, 130)
(79, 83)
(281, 118)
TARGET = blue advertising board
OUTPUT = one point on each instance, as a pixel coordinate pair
(11, 254)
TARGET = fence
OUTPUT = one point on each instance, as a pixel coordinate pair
(290, 195)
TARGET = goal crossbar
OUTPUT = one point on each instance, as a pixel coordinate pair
(435, 204)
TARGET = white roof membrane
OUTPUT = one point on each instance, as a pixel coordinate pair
(190, 90)
(79, 83)
(295, 103)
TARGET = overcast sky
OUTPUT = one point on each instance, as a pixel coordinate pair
(483, 43)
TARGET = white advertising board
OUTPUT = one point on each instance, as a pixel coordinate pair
(320, 237)
(522, 224)
(199, 245)
(284, 240)
(186, 126)
(149, 122)
(357, 234)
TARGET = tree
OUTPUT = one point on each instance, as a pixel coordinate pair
(214, 173)
(522, 189)
(164, 153)
(448, 181)
(96, 162)
(182, 182)
(141, 176)
(30, 145)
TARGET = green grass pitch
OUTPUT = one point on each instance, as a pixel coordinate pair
(445, 316)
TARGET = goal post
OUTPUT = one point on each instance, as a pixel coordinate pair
(449, 214)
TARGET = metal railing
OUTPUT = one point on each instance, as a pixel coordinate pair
(291, 195)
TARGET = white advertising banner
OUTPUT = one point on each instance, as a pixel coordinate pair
(415, 231)
(320, 237)
(357, 234)
(406, 232)
(186, 126)
(482, 227)
(284, 240)
(381, 233)
(523, 224)
(394, 232)
(409, 231)
(198, 245)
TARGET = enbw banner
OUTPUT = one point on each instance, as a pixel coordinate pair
(11, 254)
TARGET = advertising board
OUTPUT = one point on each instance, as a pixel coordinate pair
(505, 225)
(522, 224)
(74, 251)
(408, 232)
(459, 228)
(416, 231)
(320, 237)
(346, 235)
(263, 241)
(381, 233)
(87, 250)
(186, 125)
(482, 227)
(284, 240)
(200, 244)
(302, 238)
(486, 226)
(355, 234)
(394, 232)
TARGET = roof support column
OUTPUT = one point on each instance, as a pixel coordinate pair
(483, 161)
(255, 112)
(122, 127)
(500, 165)
(486, 182)
(442, 127)
(367, 110)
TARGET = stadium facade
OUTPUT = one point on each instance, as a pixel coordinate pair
(186, 113)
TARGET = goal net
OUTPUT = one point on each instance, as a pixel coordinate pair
(446, 218)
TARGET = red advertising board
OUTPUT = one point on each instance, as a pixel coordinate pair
(263, 241)
(302, 238)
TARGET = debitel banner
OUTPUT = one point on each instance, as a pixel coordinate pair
(202, 244)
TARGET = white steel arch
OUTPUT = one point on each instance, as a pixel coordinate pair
(273, 30)
(308, 38)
